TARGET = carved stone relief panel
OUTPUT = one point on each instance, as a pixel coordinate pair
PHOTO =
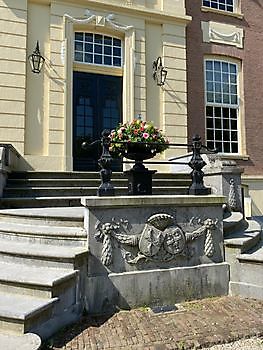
(160, 240)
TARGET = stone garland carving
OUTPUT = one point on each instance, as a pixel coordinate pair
(234, 37)
(161, 239)
(100, 20)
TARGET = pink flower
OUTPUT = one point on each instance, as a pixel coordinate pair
(145, 135)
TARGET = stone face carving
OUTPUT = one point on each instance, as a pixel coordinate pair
(161, 239)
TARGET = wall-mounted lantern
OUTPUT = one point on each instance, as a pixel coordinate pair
(36, 60)
(159, 72)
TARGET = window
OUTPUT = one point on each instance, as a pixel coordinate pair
(223, 5)
(222, 105)
(98, 49)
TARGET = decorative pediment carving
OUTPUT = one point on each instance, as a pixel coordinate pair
(99, 20)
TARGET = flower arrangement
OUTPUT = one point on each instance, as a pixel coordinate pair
(139, 131)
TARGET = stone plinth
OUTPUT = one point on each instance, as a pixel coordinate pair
(153, 250)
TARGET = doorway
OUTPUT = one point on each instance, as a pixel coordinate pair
(97, 105)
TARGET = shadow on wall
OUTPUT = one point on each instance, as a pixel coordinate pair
(255, 210)
(259, 3)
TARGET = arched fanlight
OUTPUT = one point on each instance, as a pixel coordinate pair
(36, 60)
(159, 72)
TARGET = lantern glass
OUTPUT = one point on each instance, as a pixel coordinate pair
(159, 72)
(36, 60)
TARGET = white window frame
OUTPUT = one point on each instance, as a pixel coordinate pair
(225, 129)
(235, 6)
(93, 53)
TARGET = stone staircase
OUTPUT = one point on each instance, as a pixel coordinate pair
(244, 252)
(43, 261)
(58, 189)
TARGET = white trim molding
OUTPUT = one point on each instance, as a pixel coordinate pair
(95, 22)
(222, 33)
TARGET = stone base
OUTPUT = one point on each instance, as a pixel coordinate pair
(159, 287)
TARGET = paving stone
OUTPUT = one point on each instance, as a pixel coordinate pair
(194, 325)
(27, 341)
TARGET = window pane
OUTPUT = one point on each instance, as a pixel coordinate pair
(209, 111)
(116, 61)
(209, 123)
(209, 86)
(209, 76)
(98, 59)
(78, 46)
(234, 148)
(117, 51)
(210, 97)
(89, 47)
(79, 36)
(88, 58)
(107, 40)
(78, 56)
(108, 60)
(116, 42)
(107, 50)
(98, 49)
(218, 123)
(209, 65)
(225, 124)
(98, 39)
(218, 112)
(89, 37)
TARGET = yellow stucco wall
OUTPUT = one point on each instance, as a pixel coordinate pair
(254, 193)
(36, 109)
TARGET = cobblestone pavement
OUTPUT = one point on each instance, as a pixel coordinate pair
(192, 325)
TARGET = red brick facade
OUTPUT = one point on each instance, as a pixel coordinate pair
(251, 58)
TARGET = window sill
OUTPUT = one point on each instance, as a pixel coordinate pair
(224, 13)
(233, 156)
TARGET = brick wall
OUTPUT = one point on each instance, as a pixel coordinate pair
(251, 58)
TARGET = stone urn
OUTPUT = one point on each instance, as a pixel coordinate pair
(139, 177)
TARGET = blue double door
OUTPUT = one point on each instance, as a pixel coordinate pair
(97, 105)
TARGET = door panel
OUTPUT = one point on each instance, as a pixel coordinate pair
(97, 105)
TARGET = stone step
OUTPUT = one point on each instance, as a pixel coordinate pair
(34, 254)
(122, 182)
(40, 202)
(27, 201)
(234, 222)
(246, 290)
(244, 239)
(29, 341)
(79, 191)
(57, 235)
(20, 313)
(253, 258)
(39, 282)
(84, 175)
(66, 217)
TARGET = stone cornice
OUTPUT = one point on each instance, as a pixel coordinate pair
(158, 16)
